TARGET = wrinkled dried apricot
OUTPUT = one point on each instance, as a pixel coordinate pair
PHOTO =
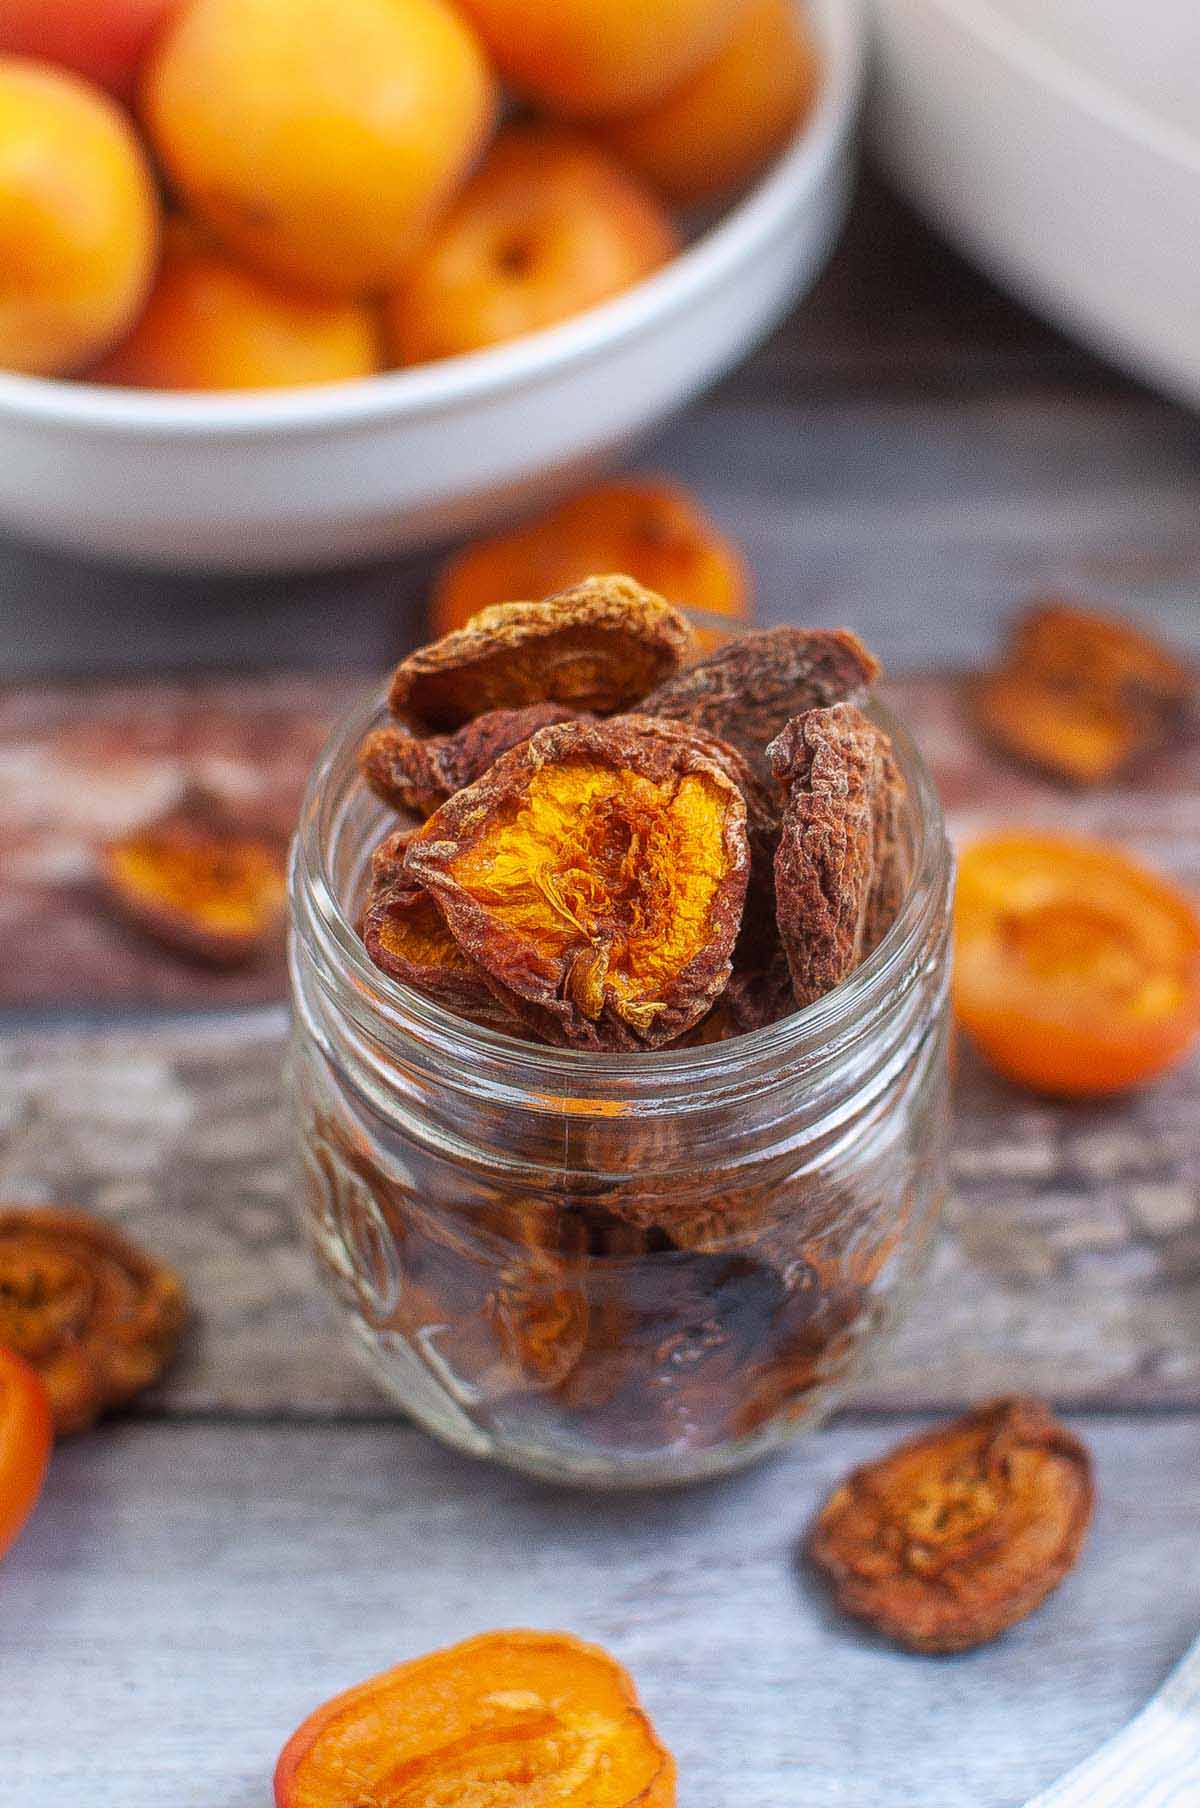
(198, 885)
(958, 1534)
(416, 772)
(597, 647)
(1082, 695)
(96, 1317)
(505, 1720)
(646, 526)
(1076, 970)
(597, 874)
(832, 761)
(889, 853)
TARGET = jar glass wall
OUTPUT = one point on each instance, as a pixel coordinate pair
(614, 1269)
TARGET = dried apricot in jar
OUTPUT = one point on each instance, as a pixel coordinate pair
(506, 1720)
(833, 763)
(198, 885)
(26, 1436)
(1082, 695)
(416, 772)
(958, 1534)
(749, 689)
(597, 874)
(97, 1318)
(406, 936)
(1076, 970)
(598, 646)
(646, 526)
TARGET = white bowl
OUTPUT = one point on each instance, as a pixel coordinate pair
(1058, 142)
(316, 476)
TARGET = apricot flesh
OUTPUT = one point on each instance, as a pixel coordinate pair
(78, 220)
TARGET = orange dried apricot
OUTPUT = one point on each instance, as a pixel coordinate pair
(649, 527)
(407, 938)
(198, 885)
(97, 1318)
(598, 646)
(26, 1437)
(1076, 970)
(956, 1535)
(506, 1720)
(416, 772)
(597, 874)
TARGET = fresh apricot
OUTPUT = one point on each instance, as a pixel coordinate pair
(591, 59)
(648, 527)
(78, 220)
(1076, 970)
(717, 129)
(211, 324)
(548, 226)
(319, 139)
(102, 39)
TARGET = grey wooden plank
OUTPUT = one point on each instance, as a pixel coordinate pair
(185, 1595)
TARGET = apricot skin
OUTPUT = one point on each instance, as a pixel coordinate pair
(717, 130)
(209, 324)
(591, 59)
(548, 227)
(78, 220)
(104, 40)
(319, 139)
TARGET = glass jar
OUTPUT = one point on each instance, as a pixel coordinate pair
(612, 1269)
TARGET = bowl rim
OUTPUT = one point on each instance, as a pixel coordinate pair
(452, 382)
(1079, 87)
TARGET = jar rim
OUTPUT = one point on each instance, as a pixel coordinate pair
(388, 1009)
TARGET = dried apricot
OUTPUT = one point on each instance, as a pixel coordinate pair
(958, 1534)
(597, 874)
(416, 772)
(599, 646)
(1082, 695)
(96, 1317)
(646, 526)
(26, 1436)
(508, 1718)
(749, 689)
(890, 854)
(1076, 970)
(199, 885)
(832, 761)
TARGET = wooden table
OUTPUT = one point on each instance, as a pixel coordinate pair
(910, 455)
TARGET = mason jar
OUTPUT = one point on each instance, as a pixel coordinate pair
(608, 1269)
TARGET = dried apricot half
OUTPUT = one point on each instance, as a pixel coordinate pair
(956, 1535)
(505, 1720)
(1076, 970)
(198, 885)
(406, 936)
(598, 646)
(97, 1318)
(597, 874)
(416, 772)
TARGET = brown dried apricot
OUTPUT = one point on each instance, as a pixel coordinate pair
(748, 691)
(416, 772)
(832, 761)
(198, 884)
(890, 854)
(599, 647)
(1082, 695)
(512, 1718)
(958, 1534)
(96, 1317)
(597, 874)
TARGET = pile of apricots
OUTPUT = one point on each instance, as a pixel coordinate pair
(241, 194)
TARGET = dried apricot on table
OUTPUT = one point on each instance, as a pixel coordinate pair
(198, 885)
(956, 1535)
(416, 772)
(26, 1436)
(833, 764)
(646, 526)
(597, 874)
(749, 689)
(598, 646)
(96, 1317)
(1082, 695)
(505, 1720)
(1076, 970)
